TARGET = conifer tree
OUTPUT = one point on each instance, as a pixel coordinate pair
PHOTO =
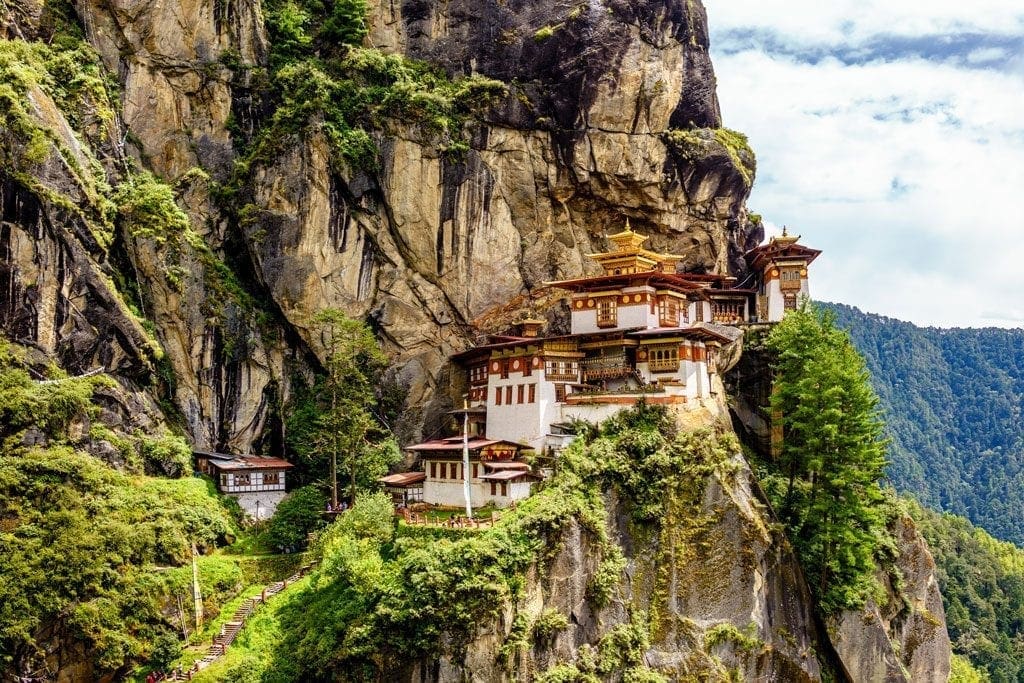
(345, 421)
(832, 456)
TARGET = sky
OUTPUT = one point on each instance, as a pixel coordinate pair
(889, 134)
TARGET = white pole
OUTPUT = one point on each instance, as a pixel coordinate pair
(465, 459)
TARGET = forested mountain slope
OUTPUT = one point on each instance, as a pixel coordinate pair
(982, 582)
(953, 400)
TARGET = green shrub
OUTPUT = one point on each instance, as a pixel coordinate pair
(298, 515)
(549, 624)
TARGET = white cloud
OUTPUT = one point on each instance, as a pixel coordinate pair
(855, 21)
(907, 173)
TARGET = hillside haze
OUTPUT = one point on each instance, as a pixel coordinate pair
(953, 401)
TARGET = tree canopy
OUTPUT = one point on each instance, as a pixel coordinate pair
(831, 457)
(334, 429)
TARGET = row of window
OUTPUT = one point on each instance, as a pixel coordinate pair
(246, 479)
(451, 470)
(478, 374)
(524, 393)
(558, 369)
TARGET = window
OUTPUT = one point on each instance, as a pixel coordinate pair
(476, 471)
(663, 358)
(454, 470)
(527, 366)
(520, 391)
(494, 488)
(272, 478)
(607, 315)
(433, 470)
(789, 302)
(508, 394)
(559, 393)
(497, 396)
(223, 480)
(790, 278)
(243, 479)
(533, 394)
(504, 369)
(668, 312)
(698, 312)
(504, 488)
(478, 374)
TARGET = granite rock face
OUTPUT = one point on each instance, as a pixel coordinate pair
(904, 639)
(423, 245)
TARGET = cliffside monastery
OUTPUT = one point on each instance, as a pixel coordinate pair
(638, 330)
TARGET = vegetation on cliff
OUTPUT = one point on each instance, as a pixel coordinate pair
(87, 552)
(385, 595)
(321, 79)
(824, 482)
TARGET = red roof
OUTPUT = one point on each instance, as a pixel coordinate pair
(651, 277)
(509, 475)
(403, 479)
(251, 463)
(700, 333)
(455, 444)
(758, 256)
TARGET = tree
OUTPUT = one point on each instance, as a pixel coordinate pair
(342, 428)
(832, 455)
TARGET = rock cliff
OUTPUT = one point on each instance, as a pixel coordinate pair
(422, 244)
(722, 596)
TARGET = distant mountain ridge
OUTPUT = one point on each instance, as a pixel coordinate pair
(953, 400)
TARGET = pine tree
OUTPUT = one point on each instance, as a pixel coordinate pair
(832, 455)
(345, 421)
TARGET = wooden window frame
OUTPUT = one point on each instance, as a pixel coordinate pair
(497, 396)
(607, 312)
(668, 312)
(521, 393)
(508, 395)
(532, 394)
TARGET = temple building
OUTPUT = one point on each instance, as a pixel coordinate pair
(497, 475)
(781, 267)
(257, 483)
(637, 330)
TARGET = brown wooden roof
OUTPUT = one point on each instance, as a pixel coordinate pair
(403, 479)
(250, 463)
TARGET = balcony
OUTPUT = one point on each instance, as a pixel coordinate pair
(666, 365)
(606, 367)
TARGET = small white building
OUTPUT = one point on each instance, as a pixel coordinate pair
(258, 483)
(496, 476)
(782, 269)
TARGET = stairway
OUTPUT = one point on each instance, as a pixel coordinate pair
(230, 630)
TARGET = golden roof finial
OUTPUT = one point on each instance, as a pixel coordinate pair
(628, 228)
(785, 238)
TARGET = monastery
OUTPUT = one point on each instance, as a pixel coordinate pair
(638, 330)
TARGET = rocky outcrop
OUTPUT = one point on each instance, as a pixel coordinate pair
(169, 58)
(427, 244)
(904, 639)
(716, 584)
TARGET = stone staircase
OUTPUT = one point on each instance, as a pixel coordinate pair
(230, 630)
